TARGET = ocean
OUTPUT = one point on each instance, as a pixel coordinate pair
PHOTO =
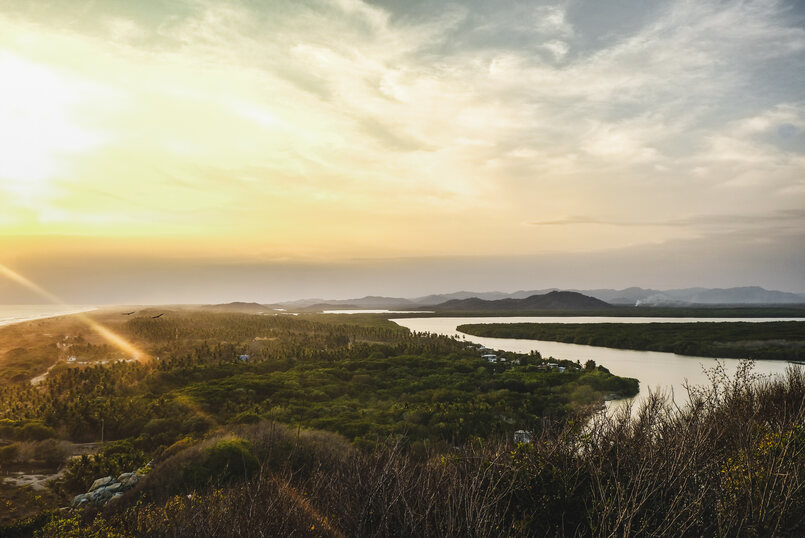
(10, 314)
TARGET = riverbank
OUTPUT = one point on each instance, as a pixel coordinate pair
(776, 340)
(667, 373)
(626, 312)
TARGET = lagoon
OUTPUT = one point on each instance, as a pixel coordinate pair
(657, 371)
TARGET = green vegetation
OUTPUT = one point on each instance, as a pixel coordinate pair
(363, 380)
(729, 464)
(352, 425)
(111, 460)
(781, 340)
(221, 463)
(362, 377)
(792, 311)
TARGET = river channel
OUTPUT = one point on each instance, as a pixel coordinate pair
(657, 371)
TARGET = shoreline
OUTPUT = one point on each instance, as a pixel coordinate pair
(17, 320)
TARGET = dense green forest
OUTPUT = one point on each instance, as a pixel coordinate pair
(780, 340)
(363, 378)
(365, 381)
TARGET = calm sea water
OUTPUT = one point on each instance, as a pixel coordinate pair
(10, 314)
(665, 372)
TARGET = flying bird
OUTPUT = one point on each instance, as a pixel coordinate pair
(158, 316)
(127, 313)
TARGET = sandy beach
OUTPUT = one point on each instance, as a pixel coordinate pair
(11, 314)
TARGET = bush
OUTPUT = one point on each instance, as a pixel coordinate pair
(175, 448)
(729, 464)
(7, 427)
(9, 454)
(51, 451)
(227, 460)
(246, 417)
(111, 460)
(36, 431)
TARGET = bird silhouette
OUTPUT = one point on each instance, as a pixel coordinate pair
(158, 316)
(127, 313)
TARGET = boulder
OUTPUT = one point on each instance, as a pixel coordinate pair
(101, 482)
(131, 481)
(103, 494)
(99, 496)
(123, 477)
(107, 489)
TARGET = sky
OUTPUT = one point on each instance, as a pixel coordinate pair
(206, 151)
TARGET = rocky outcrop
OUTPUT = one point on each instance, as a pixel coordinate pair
(107, 489)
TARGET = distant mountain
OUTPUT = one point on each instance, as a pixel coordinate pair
(633, 296)
(746, 295)
(488, 295)
(368, 302)
(626, 296)
(691, 296)
(249, 308)
(683, 294)
(301, 303)
(428, 300)
(320, 307)
(554, 300)
(660, 299)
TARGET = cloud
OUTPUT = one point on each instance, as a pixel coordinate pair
(440, 126)
(782, 221)
(552, 21)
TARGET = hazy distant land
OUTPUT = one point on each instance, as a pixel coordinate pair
(634, 296)
(733, 302)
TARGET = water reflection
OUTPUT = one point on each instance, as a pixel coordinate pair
(657, 371)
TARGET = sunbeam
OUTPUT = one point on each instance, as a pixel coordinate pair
(109, 335)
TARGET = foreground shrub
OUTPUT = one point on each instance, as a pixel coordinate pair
(111, 460)
(224, 462)
(730, 463)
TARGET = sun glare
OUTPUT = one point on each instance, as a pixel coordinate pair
(109, 335)
(37, 126)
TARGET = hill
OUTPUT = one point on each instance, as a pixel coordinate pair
(554, 300)
(745, 295)
(634, 296)
(368, 302)
(237, 306)
(748, 295)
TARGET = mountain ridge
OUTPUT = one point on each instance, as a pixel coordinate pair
(631, 296)
(553, 300)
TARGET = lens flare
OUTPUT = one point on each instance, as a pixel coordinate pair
(110, 336)
(306, 506)
(19, 279)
